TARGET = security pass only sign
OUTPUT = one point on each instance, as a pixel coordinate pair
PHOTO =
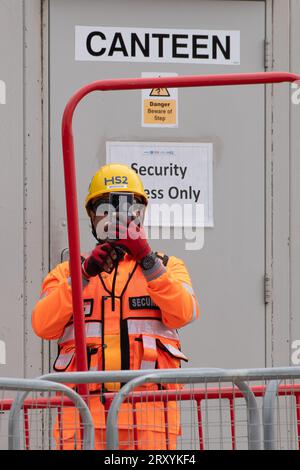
(159, 105)
(188, 46)
(177, 178)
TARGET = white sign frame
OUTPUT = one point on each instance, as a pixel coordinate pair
(134, 153)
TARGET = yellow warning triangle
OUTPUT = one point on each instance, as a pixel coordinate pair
(160, 92)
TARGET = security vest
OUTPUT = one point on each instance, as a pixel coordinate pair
(123, 326)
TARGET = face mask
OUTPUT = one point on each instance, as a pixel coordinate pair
(101, 229)
(101, 209)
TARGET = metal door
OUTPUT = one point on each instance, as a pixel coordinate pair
(228, 272)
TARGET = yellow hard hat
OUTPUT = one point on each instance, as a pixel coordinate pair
(115, 177)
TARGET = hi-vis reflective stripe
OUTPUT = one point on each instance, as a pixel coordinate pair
(92, 330)
(191, 291)
(150, 327)
(188, 288)
(45, 293)
(175, 352)
(63, 360)
(150, 352)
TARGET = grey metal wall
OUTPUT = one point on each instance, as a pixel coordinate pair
(11, 189)
(283, 322)
(23, 246)
(294, 192)
(256, 200)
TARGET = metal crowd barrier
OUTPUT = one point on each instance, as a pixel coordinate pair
(271, 415)
(54, 406)
(272, 403)
(187, 409)
(35, 405)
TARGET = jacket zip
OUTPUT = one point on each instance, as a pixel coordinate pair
(124, 339)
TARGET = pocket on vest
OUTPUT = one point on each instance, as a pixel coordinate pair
(154, 353)
(65, 361)
(169, 354)
(136, 352)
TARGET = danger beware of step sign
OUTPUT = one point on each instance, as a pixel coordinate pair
(119, 44)
(159, 105)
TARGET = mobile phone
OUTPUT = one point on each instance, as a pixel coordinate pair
(119, 205)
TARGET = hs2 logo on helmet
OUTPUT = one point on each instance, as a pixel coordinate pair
(116, 180)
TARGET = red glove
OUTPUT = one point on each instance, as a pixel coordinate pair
(132, 239)
(102, 258)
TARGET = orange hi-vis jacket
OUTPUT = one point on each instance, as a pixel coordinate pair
(131, 317)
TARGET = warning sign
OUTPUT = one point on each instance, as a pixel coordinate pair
(159, 92)
(159, 105)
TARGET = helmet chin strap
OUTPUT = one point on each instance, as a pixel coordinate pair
(95, 234)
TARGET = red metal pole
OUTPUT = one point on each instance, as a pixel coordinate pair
(26, 428)
(60, 427)
(200, 424)
(298, 417)
(232, 422)
(135, 431)
(70, 171)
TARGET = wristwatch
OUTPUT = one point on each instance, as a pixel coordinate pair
(148, 261)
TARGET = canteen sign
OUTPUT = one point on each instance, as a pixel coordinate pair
(177, 178)
(119, 44)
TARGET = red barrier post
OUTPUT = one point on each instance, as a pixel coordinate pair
(70, 170)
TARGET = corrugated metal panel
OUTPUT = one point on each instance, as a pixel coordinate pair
(11, 188)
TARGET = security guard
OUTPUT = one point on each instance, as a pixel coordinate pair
(134, 302)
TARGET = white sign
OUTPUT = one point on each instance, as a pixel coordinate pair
(187, 46)
(177, 177)
(159, 105)
(2, 92)
(2, 352)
